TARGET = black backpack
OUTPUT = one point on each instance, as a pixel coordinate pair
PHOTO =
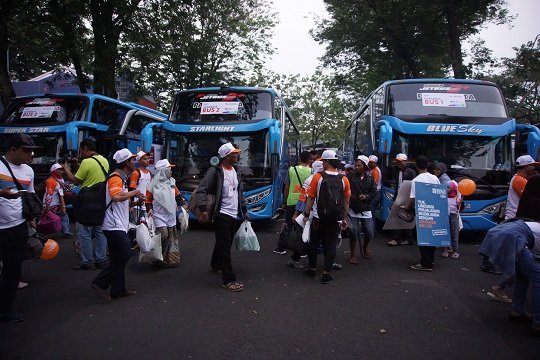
(331, 199)
(90, 205)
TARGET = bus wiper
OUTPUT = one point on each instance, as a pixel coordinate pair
(493, 190)
(438, 115)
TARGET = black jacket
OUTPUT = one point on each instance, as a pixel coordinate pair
(213, 184)
(366, 186)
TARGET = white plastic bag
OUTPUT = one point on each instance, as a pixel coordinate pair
(245, 238)
(307, 231)
(155, 253)
(144, 233)
(183, 220)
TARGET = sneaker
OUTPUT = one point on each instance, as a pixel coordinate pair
(326, 278)
(337, 266)
(454, 255)
(11, 317)
(280, 251)
(309, 272)
(295, 264)
(420, 268)
(85, 266)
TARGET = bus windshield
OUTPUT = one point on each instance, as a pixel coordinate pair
(44, 110)
(485, 158)
(469, 100)
(221, 106)
(192, 153)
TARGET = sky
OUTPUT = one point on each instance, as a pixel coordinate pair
(298, 53)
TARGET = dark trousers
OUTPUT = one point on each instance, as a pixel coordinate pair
(326, 233)
(427, 256)
(12, 247)
(225, 228)
(289, 212)
(114, 274)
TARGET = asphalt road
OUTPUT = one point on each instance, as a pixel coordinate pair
(379, 309)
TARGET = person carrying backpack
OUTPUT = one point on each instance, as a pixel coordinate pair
(332, 192)
(92, 170)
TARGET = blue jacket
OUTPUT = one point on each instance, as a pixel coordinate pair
(503, 245)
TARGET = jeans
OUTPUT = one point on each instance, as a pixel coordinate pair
(362, 225)
(65, 224)
(454, 231)
(225, 228)
(12, 246)
(114, 274)
(327, 234)
(527, 273)
(88, 256)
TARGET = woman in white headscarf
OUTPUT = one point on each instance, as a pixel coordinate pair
(163, 192)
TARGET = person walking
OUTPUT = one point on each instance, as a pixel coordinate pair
(402, 173)
(296, 175)
(110, 283)
(363, 191)
(13, 226)
(427, 253)
(332, 192)
(228, 212)
(140, 179)
(92, 170)
(53, 199)
(161, 201)
(524, 169)
(376, 174)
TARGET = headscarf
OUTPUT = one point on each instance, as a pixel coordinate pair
(452, 189)
(442, 167)
(160, 187)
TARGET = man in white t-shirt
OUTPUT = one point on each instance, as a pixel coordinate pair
(229, 208)
(13, 227)
(427, 253)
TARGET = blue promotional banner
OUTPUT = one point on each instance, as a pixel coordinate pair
(432, 225)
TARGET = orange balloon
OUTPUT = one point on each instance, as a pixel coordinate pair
(466, 187)
(50, 250)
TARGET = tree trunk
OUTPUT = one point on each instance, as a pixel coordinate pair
(456, 55)
(6, 88)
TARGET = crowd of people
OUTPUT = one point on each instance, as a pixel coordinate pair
(329, 198)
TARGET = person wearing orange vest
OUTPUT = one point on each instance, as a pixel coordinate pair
(377, 177)
(524, 169)
(53, 199)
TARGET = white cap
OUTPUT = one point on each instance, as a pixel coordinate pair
(363, 158)
(55, 167)
(525, 160)
(317, 166)
(140, 154)
(227, 149)
(373, 158)
(163, 164)
(401, 157)
(329, 155)
(122, 155)
(349, 166)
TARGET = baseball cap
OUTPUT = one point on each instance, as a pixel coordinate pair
(227, 149)
(401, 157)
(55, 167)
(163, 164)
(22, 141)
(329, 155)
(526, 160)
(363, 158)
(373, 158)
(317, 166)
(140, 154)
(122, 155)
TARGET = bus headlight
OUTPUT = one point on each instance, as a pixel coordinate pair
(492, 209)
(255, 198)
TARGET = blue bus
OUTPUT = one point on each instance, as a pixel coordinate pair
(58, 122)
(463, 123)
(256, 120)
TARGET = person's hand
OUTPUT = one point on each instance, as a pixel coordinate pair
(150, 213)
(246, 216)
(32, 224)
(139, 194)
(343, 224)
(203, 218)
(8, 194)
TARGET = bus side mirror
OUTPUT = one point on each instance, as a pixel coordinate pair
(385, 138)
(533, 144)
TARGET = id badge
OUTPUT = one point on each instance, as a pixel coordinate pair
(231, 190)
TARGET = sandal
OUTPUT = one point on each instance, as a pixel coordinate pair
(392, 243)
(367, 254)
(353, 261)
(233, 286)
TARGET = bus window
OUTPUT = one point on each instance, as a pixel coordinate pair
(136, 124)
(277, 108)
(363, 131)
(194, 107)
(108, 113)
(348, 155)
(44, 110)
(378, 104)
